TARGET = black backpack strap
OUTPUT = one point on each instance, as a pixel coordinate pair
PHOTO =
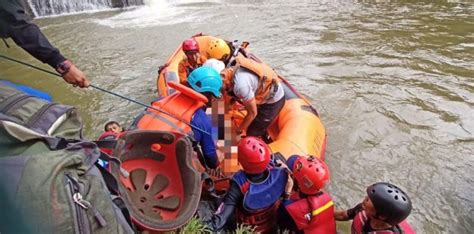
(109, 179)
(112, 185)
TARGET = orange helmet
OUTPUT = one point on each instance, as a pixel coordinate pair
(310, 173)
(218, 49)
(253, 154)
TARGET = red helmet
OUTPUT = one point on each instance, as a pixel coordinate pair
(310, 173)
(253, 155)
(190, 45)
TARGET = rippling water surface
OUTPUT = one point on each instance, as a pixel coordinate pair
(393, 81)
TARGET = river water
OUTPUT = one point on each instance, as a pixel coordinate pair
(393, 81)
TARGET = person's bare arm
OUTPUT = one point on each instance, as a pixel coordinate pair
(341, 215)
(344, 215)
(251, 107)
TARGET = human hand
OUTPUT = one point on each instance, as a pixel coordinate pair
(240, 132)
(220, 151)
(239, 135)
(289, 186)
(75, 77)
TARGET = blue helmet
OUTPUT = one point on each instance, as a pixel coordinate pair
(206, 79)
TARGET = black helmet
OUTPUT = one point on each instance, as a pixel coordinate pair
(390, 202)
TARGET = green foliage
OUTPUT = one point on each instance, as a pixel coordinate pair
(244, 229)
(194, 226)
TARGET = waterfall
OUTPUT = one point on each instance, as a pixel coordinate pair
(56, 7)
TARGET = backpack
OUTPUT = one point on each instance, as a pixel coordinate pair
(49, 181)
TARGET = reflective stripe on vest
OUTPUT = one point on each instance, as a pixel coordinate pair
(313, 214)
(181, 105)
(323, 208)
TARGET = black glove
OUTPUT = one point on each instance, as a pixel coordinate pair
(351, 213)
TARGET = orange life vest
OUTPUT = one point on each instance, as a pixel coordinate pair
(108, 136)
(181, 105)
(267, 77)
(185, 68)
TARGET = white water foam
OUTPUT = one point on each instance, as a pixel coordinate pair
(48, 8)
(155, 12)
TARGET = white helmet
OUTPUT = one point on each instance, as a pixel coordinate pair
(216, 64)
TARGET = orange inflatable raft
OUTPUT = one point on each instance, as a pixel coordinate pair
(296, 130)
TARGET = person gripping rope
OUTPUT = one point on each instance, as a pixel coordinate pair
(15, 24)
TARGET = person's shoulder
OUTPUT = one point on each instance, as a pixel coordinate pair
(184, 60)
(200, 112)
(244, 73)
(200, 117)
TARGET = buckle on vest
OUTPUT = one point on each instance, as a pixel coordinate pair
(308, 216)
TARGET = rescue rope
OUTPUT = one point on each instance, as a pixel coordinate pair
(109, 92)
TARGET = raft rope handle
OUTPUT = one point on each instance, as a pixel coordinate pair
(109, 92)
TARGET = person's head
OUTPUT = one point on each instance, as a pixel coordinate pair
(387, 202)
(207, 81)
(310, 173)
(227, 79)
(253, 154)
(218, 49)
(191, 49)
(113, 126)
(214, 63)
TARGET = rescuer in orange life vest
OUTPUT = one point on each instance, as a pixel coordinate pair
(258, 88)
(254, 192)
(192, 59)
(310, 209)
(195, 56)
(383, 210)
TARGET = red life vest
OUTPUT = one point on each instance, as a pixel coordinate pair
(314, 214)
(181, 105)
(106, 136)
(361, 219)
(264, 216)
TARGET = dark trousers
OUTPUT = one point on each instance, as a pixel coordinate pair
(266, 113)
